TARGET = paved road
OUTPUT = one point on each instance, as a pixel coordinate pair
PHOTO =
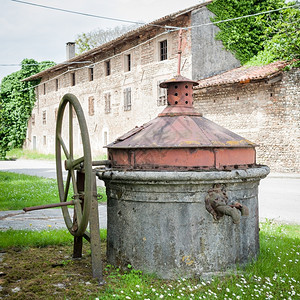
(279, 199)
(41, 219)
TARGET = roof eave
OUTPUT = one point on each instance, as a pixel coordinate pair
(129, 35)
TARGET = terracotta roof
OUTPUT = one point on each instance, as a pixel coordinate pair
(129, 35)
(243, 74)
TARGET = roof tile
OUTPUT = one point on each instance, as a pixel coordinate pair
(243, 74)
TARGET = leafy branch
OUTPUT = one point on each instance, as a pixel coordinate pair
(17, 99)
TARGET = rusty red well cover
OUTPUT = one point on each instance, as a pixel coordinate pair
(180, 138)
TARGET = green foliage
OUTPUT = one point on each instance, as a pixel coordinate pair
(283, 42)
(16, 102)
(271, 36)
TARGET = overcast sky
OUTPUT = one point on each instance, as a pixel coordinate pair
(33, 32)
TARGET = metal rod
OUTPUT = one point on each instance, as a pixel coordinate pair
(101, 162)
(179, 51)
(48, 206)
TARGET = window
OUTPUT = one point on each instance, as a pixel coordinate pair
(55, 113)
(127, 62)
(34, 142)
(107, 108)
(44, 140)
(33, 119)
(44, 117)
(91, 74)
(127, 99)
(107, 68)
(105, 138)
(163, 50)
(56, 84)
(161, 95)
(73, 79)
(37, 93)
(91, 106)
(44, 89)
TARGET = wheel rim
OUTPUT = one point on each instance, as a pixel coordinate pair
(79, 224)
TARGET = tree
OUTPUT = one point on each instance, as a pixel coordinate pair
(95, 38)
(282, 40)
(266, 33)
(16, 102)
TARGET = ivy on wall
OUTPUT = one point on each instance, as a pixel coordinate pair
(16, 102)
(259, 39)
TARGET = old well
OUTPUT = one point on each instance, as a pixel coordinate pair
(182, 193)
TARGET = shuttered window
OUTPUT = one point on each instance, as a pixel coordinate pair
(107, 107)
(127, 99)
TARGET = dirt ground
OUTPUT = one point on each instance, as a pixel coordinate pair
(47, 273)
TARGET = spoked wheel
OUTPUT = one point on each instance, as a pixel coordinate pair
(81, 200)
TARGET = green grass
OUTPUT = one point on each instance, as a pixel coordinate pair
(29, 238)
(275, 275)
(31, 154)
(28, 154)
(19, 191)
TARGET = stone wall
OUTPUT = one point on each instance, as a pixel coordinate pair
(104, 127)
(265, 112)
(208, 55)
(201, 55)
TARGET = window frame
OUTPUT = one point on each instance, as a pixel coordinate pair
(33, 119)
(107, 67)
(107, 102)
(162, 95)
(73, 79)
(56, 84)
(128, 62)
(91, 103)
(127, 99)
(91, 73)
(44, 117)
(163, 50)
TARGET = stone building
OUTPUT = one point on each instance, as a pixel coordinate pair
(261, 104)
(118, 83)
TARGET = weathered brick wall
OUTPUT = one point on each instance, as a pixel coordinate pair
(146, 71)
(265, 113)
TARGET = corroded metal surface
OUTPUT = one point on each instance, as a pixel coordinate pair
(52, 205)
(180, 138)
(184, 131)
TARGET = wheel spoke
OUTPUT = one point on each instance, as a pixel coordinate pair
(63, 146)
(67, 187)
(75, 190)
(78, 210)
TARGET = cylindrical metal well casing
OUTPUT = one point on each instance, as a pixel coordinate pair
(158, 223)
